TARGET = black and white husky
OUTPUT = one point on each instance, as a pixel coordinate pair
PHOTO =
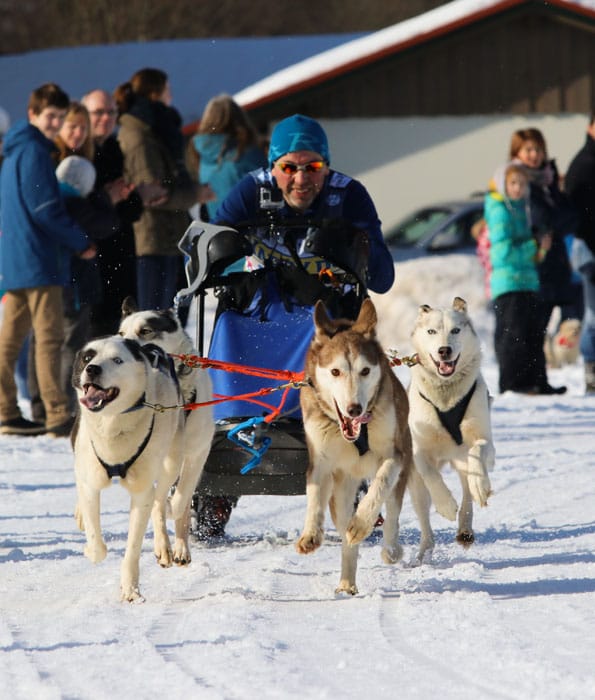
(163, 328)
(119, 434)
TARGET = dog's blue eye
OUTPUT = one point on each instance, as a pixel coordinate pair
(455, 331)
(118, 360)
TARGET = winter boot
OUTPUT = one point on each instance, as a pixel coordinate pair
(212, 515)
(589, 377)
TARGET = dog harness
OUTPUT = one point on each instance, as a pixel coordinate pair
(451, 420)
(122, 468)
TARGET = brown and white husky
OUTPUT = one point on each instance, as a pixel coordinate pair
(355, 414)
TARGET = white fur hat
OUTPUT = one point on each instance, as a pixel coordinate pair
(77, 172)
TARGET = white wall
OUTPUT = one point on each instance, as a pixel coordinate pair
(413, 161)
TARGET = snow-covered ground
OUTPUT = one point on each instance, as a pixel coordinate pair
(512, 617)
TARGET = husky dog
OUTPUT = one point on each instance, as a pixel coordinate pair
(449, 418)
(355, 419)
(118, 433)
(563, 348)
(163, 328)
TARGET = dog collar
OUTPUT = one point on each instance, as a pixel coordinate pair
(122, 468)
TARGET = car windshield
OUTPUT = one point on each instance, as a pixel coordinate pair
(417, 226)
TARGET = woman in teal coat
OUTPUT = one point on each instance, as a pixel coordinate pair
(514, 285)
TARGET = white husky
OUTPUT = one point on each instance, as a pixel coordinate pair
(449, 419)
(163, 328)
(119, 434)
(355, 419)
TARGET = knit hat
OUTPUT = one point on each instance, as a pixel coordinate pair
(298, 133)
(77, 172)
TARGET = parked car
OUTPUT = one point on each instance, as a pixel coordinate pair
(436, 228)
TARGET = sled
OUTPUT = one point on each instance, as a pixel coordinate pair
(264, 320)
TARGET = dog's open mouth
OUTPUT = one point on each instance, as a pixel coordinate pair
(96, 397)
(446, 368)
(351, 427)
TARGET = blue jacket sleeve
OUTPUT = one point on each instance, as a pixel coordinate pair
(359, 209)
(46, 205)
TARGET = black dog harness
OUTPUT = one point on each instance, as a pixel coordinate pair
(122, 468)
(451, 420)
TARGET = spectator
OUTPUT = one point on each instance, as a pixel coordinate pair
(225, 148)
(151, 141)
(551, 213)
(580, 187)
(116, 255)
(514, 284)
(74, 138)
(38, 239)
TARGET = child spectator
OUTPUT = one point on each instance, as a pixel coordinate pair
(514, 285)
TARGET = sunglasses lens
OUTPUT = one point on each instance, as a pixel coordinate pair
(288, 168)
(291, 168)
(315, 166)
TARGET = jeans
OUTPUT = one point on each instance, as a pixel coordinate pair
(587, 343)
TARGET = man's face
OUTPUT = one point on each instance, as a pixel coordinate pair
(49, 121)
(300, 188)
(103, 114)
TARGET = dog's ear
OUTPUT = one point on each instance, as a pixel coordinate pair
(459, 304)
(367, 319)
(129, 306)
(322, 322)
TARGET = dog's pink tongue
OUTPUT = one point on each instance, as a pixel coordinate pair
(93, 396)
(446, 368)
(352, 427)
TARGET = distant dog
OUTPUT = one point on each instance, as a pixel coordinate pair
(449, 417)
(119, 434)
(163, 328)
(355, 419)
(563, 347)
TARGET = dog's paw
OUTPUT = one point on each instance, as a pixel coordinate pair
(465, 538)
(480, 488)
(96, 553)
(358, 529)
(131, 594)
(309, 542)
(346, 587)
(391, 555)
(164, 557)
(181, 553)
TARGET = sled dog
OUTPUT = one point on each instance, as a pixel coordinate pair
(119, 434)
(449, 418)
(563, 347)
(163, 328)
(355, 419)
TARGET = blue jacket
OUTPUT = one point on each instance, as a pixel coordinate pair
(242, 206)
(37, 236)
(223, 170)
(512, 247)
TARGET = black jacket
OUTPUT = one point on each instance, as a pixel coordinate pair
(580, 187)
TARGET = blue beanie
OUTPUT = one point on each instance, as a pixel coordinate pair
(298, 133)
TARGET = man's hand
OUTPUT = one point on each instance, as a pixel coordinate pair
(152, 193)
(88, 253)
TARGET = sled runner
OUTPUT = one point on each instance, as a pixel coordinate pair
(264, 320)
